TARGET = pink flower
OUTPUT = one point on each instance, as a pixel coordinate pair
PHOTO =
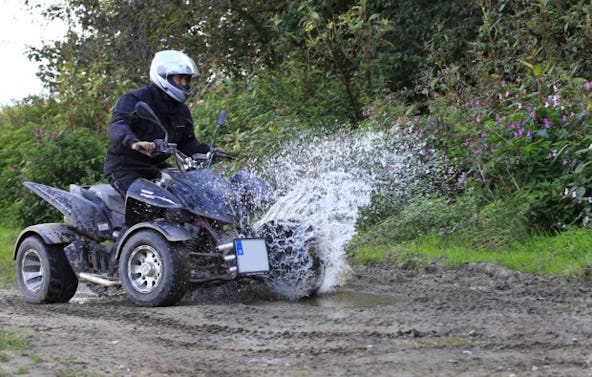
(461, 179)
(369, 111)
(532, 113)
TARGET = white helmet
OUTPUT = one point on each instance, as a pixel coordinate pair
(170, 62)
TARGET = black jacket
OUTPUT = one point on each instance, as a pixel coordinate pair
(125, 129)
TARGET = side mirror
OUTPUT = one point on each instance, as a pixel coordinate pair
(144, 111)
(221, 120)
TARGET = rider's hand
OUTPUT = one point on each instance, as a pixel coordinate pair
(144, 147)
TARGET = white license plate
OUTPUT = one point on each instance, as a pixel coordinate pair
(251, 256)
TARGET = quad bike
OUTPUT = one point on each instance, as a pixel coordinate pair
(190, 227)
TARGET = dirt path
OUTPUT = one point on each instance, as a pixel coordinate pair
(479, 320)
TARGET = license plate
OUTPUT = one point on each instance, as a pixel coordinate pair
(251, 256)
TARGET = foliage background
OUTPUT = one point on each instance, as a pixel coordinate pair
(500, 91)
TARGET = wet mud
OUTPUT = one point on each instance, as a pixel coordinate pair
(478, 320)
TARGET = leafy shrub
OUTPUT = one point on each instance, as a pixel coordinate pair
(532, 142)
(525, 154)
(267, 109)
(422, 216)
(51, 158)
(437, 214)
(498, 224)
(465, 220)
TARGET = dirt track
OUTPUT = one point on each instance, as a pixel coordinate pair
(479, 320)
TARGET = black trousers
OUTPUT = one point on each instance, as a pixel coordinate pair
(122, 180)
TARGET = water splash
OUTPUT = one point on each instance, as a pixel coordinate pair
(324, 181)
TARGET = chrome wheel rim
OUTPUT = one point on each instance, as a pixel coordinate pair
(32, 270)
(144, 269)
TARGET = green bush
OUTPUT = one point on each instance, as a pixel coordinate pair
(267, 109)
(528, 136)
(497, 225)
(464, 220)
(50, 158)
(534, 142)
(421, 216)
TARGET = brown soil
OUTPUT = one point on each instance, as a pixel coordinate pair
(479, 320)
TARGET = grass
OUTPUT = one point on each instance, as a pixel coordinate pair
(14, 352)
(566, 254)
(13, 341)
(7, 269)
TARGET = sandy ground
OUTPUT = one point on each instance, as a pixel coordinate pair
(479, 320)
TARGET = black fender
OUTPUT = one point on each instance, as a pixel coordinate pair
(50, 233)
(79, 212)
(146, 200)
(148, 192)
(171, 231)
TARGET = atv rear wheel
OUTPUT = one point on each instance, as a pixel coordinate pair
(44, 274)
(296, 269)
(153, 271)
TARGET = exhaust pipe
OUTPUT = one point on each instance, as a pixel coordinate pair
(98, 280)
(225, 247)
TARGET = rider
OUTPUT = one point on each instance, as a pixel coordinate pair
(132, 139)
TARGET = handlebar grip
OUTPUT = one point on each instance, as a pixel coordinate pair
(223, 154)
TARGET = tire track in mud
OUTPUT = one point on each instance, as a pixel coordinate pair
(266, 330)
(249, 322)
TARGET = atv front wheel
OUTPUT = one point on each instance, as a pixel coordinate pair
(153, 271)
(43, 272)
(296, 269)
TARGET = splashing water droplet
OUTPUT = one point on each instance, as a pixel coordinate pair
(324, 182)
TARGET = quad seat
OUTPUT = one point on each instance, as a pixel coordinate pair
(107, 199)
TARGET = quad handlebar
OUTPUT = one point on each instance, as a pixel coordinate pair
(184, 163)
